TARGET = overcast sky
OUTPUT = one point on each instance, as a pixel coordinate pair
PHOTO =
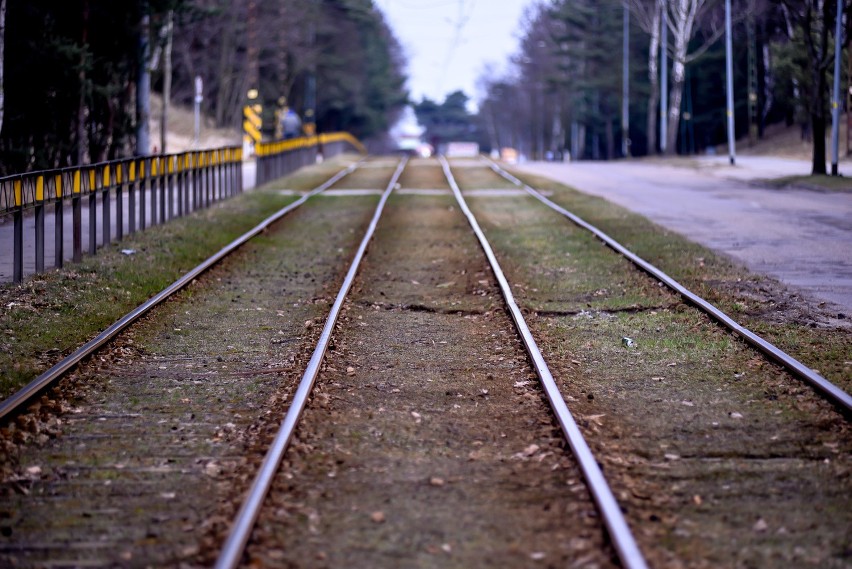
(449, 42)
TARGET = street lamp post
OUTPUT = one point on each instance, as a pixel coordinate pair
(835, 98)
(729, 64)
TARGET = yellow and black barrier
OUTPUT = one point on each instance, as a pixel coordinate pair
(134, 193)
(281, 157)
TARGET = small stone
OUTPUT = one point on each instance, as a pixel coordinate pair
(537, 555)
(531, 450)
(761, 525)
(736, 415)
(435, 481)
(447, 548)
(378, 517)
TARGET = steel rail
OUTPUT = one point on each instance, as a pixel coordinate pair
(617, 528)
(831, 391)
(238, 537)
(43, 381)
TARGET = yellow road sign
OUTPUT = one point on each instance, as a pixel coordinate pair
(252, 122)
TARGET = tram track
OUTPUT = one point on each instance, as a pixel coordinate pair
(424, 428)
(157, 415)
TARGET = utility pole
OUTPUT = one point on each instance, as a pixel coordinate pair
(664, 76)
(835, 98)
(199, 96)
(625, 87)
(729, 64)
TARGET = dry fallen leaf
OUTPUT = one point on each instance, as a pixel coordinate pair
(531, 450)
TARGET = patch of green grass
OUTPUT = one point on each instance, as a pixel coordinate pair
(479, 178)
(52, 314)
(818, 182)
(727, 285)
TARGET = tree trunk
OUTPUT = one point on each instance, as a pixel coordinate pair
(167, 82)
(675, 98)
(225, 74)
(143, 83)
(81, 107)
(654, 80)
(818, 118)
(818, 128)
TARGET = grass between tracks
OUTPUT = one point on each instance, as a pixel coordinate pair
(702, 439)
(810, 331)
(52, 314)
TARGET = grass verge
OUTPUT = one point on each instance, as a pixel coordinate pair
(50, 315)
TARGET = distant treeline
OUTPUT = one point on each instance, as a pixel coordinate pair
(564, 91)
(78, 73)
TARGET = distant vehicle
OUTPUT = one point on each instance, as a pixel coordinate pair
(425, 150)
(462, 150)
(509, 155)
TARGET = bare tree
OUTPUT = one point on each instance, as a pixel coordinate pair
(647, 14)
(684, 17)
(814, 19)
(167, 31)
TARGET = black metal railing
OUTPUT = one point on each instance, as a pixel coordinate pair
(97, 204)
(279, 158)
(119, 197)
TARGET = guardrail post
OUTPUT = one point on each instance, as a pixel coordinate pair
(163, 175)
(208, 182)
(119, 202)
(76, 218)
(39, 237)
(93, 213)
(196, 198)
(58, 226)
(39, 225)
(220, 171)
(106, 210)
(131, 197)
(179, 181)
(144, 184)
(152, 190)
(168, 174)
(18, 254)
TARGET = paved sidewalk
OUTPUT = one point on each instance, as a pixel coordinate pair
(801, 237)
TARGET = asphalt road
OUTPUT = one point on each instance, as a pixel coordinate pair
(803, 238)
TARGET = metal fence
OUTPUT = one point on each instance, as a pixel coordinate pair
(120, 197)
(279, 158)
(76, 210)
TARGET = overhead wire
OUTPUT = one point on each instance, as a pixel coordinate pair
(461, 22)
